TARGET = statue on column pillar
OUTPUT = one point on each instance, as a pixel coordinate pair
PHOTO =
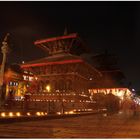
(4, 50)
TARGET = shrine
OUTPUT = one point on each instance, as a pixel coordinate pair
(64, 77)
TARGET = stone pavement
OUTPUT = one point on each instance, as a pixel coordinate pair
(91, 126)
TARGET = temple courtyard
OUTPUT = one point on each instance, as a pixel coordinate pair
(92, 126)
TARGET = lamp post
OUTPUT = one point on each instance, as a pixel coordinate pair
(4, 50)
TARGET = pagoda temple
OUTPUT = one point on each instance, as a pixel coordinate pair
(63, 76)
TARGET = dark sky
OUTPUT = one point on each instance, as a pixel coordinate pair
(102, 25)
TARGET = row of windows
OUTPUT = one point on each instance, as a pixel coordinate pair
(60, 69)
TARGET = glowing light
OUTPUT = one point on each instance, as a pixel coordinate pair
(10, 83)
(71, 112)
(133, 89)
(18, 114)
(120, 94)
(42, 113)
(36, 78)
(38, 113)
(11, 114)
(89, 109)
(120, 112)
(3, 114)
(58, 113)
(28, 114)
(46, 113)
(48, 88)
(66, 113)
(25, 77)
(104, 109)
(105, 115)
(30, 78)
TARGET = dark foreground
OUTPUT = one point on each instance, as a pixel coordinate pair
(92, 126)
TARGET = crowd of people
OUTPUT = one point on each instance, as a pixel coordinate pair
(114, 104)
(129, 107)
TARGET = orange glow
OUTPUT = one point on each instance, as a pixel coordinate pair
(3, 114)
(18, 114)
(8, 75)
(11, 114)
(48, 88)
(42, 113)
(66, 113)
(71, 112)
(38, 113)
(59, 113)
(120, 92)
(28, 114)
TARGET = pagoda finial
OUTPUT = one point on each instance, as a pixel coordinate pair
(6, 37)
(65, 31)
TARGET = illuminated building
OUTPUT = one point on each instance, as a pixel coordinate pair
(14, 81)
(63, 81)
(17, 81)
(112, 77)
(122, 93)
(64, 78)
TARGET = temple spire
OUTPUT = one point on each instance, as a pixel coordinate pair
(65, 31)
(6, 37)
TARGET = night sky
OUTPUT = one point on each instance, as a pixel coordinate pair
(112, 26)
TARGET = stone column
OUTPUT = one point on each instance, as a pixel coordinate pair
(4, 50)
